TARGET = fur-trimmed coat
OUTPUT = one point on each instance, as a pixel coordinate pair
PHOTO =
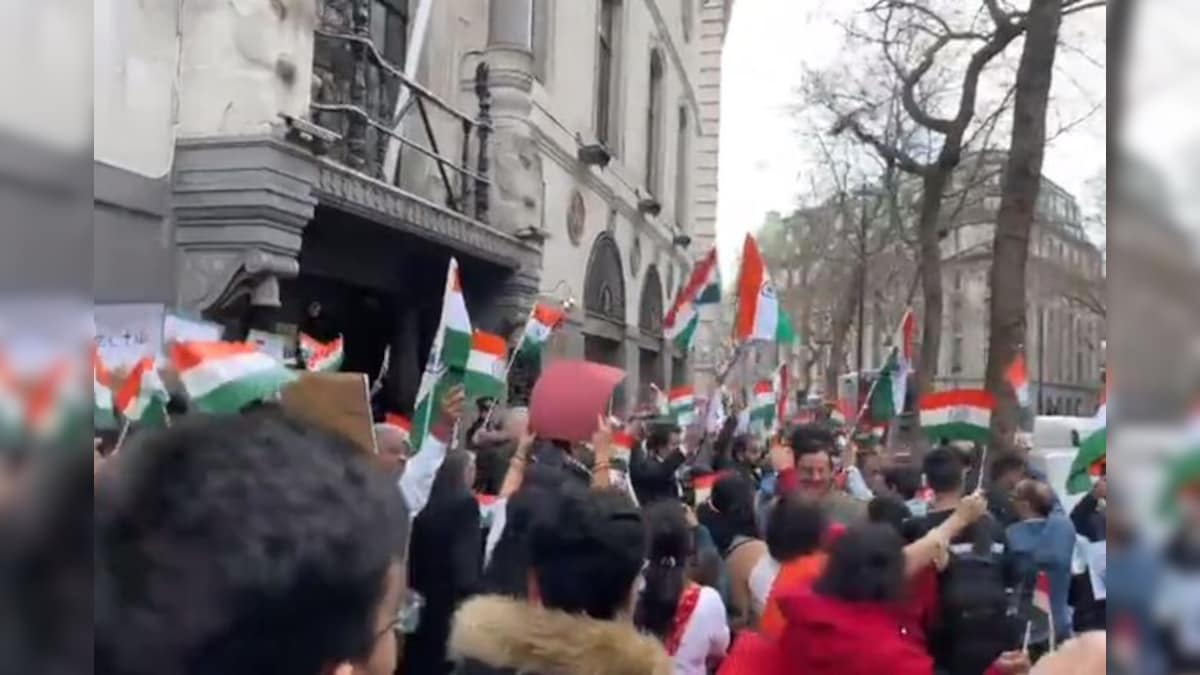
(495, 635)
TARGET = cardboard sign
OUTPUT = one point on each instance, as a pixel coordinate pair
(127, 333)
(338, 402)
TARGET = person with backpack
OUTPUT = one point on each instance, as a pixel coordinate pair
(688, 618)
(974, 624)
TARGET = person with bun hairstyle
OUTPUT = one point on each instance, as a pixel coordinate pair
(687, 617)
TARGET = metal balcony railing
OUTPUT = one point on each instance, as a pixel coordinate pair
(355, 91)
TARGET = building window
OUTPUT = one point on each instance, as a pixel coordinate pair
(654, 113)
(539, 31)
(606, 72)
(687, 17)
(683, 168)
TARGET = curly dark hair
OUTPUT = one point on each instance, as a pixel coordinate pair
(241, 545)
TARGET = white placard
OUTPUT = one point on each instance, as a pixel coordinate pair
(127, 333)
(269, 343)
(182, 329)
(1097, 561)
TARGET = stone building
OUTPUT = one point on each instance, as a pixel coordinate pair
(311, 165)
(1065, 323)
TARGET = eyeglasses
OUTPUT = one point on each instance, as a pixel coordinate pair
(408, 617)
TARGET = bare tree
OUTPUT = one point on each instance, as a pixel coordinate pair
(1022, 183)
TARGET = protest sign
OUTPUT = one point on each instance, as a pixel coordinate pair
(127, 333)
(569, 398)
(337, 402)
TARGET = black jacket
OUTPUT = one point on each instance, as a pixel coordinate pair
(445, 566)
(1090, 613)
(496, 635)
(653, 478)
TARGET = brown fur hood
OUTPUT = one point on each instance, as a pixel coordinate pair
(514, 635)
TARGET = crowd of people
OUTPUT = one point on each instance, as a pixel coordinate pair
(258, 544)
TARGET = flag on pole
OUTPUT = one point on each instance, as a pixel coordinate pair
(322, 357)
(399, 423)
(447, 356)
(759, 316)
(622, 447)
(486, 376)
(1041, 593)
(143, 397)
(681, 403)
(702, 288)
(1090, 461)
(54, 405)
(762, 405)
(542, 323)
(702, 487)
(890, 391)
(958, 415)
(1018, 378)
(224, 377)
(103, 414)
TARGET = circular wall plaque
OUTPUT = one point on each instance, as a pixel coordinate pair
(576, 215)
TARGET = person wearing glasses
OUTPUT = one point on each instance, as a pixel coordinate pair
(244, 545)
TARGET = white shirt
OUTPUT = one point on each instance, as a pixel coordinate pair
(706, 635)
(762, 578)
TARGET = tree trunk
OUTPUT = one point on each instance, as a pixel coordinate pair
(1022, 182)
(929, 262)
(840, 329)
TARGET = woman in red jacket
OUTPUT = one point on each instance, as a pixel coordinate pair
(849, 622)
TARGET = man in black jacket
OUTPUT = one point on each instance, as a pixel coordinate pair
(653, 467)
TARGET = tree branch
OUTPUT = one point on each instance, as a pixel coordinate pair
(888, 152)
(1077, 6)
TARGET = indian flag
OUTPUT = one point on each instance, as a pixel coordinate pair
(447, 356)
(1041, 593)
(1018, 378)
(54, 404)
(682, 404)
(702, 487)
(322, 357)
(224, 377)
(542, 323)
(1092, 456)
(400, 423)
(891, 389)
(837, 417)
(622, 448)
(759, 316)
(143, 397)
(702, 288)
(103, 415)
(12, 405)
(958, 415)
(486, 367)
(762, 404)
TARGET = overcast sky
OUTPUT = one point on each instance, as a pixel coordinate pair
(763, 163)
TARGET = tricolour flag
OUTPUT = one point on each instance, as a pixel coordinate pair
(103, 415)
(702, 288)
(542, 323)
(702, 487)
(958, 415)
(224, 377)
(400, 423)
(1018, 378)
(759, 316)
(889, 393)
(682, 405)
(143, 397)
(762, 404)
(486, 366)
(1041, 593)
(12, 405)
(447, 356)
(622, 447)
(1092, 456)
(322, 357)
(55, 405)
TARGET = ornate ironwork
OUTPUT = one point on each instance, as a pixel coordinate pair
(355, 92)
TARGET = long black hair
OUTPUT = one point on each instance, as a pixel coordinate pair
(729, 512)
(451, 478)
(795, 528)
(670, 545)
(866, 564)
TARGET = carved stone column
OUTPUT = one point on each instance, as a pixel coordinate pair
(240, 208)
(516, 164)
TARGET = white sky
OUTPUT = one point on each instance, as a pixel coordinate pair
(763, 163)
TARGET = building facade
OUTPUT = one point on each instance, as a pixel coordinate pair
(1066, 331)
(311, 165)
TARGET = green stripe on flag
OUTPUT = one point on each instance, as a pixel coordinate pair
(957, 431)
(1092, 451)
(232, 396)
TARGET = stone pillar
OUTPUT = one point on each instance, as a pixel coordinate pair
(240, 208)
(515, 200)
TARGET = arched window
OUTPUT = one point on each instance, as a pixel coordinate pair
(604, 287)
(654, 107)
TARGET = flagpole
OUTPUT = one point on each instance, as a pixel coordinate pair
(508, 364)
(121, 437)
(870, 391)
